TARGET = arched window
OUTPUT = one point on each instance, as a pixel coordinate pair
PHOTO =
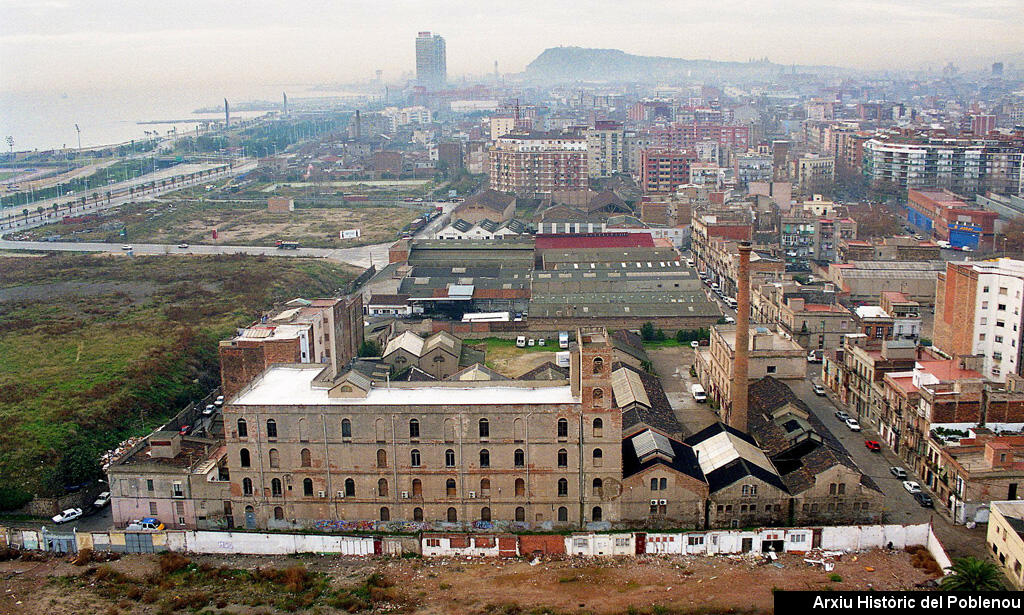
(654, 484)
(307, 487)
(380, 430)
(519, 458)
(485, 514)
(417, 488)
(449, 430)
(598, 427)
(598, 487)
(563, 487)
(385, 514)
(598, 457)
(417, 514)
(842, 488)
(485, 486)
(520, 489)
(303, 430)
(598, 396)
(520, 513)
(243, 429)
(278, 513)
(485, 458)
(453, 516)
(275, 458)
(485, 429)
(449, 458)
(663, 484)
(449, 487)
(350, 487)
(414, 457)
(382, 488)
(275, 487)
(563, 429)
(243, 458)
(382, 458)
(271, 428)
(346, 428)
(306, 459)
(246, 486)
(414, 429)
(563, 458)
(598, 364)
(519, 430)
(595, 515)
(563, 513)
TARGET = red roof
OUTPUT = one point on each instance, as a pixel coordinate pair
(594, 240)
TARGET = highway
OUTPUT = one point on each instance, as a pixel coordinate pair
(360, 256)
(121, 192)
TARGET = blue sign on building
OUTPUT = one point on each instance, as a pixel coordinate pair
(964, 234)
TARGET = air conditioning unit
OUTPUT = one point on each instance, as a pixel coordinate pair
(472, 494)
(663, 502)
(323, 494)
(341, 494)
(405, 495)
(654, 502)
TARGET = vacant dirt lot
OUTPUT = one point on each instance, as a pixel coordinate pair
(436, 587)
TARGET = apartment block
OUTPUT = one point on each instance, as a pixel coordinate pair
(606, 149)
(538, 163)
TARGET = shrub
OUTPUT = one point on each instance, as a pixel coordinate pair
(835, 578)
(172, 562)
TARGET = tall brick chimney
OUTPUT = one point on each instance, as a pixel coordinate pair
(737, 417)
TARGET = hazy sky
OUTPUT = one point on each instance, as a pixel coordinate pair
(108, 43)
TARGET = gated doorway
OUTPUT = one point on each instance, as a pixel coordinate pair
(250, 518)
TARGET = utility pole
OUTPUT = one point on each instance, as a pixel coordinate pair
(79, 131)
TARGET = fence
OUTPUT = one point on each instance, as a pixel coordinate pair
(442, 544)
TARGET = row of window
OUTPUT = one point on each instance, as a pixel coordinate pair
(451, 489)
(452, 516)
(416, 458)
(483, 428)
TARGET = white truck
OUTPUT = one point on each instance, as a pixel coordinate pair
(563, 339)
(699, 395)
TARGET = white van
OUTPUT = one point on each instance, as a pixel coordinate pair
(698, 393)
(563, 339)
(562, 359)
(730, 302)
(521, 341)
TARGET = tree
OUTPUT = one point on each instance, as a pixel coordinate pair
(647, 331)
(369, 348)
(970, 574)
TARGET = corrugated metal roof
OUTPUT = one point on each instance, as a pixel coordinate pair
(647, 442)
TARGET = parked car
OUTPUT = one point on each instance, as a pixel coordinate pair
(818, 390)
(183, 245)
(852, 424)
(872, 445)
(531, 342)
(694, 344)
(126, 248)
(542, 342)
(146, 524)
(521, 341)
(67, 515)
(912, 486)
(842, 416)
(102, 500)
(698, 393)
(219, 401)
(898, 472)
(815, 356)
(209, 410)
(924, 500)
(729, 320)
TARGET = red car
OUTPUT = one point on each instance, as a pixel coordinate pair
(872, 445)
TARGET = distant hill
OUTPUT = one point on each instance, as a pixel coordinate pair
(562, 64)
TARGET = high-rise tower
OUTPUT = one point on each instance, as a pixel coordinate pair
(431, 61)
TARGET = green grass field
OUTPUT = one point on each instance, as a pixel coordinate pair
(113, 346)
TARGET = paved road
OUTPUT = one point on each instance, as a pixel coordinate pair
(360, 256)
(900, 506)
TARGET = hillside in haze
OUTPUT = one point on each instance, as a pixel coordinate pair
(562, 64)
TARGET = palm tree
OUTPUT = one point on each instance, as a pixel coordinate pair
(972, 574)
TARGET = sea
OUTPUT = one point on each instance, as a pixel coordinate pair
(46, 120)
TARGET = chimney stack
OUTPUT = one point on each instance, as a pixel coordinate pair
(737, 416)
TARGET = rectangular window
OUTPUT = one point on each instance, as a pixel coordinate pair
(999, 339)
(984, 305)
(149, 484)
(176, 491)
(580, 543)
(1001, 307)
(433, 542)
(771, 369)
(621, 542)
(981, 337)
(984, 320)
(152, 509)
(1000, 323)
(179, 508)
(694, 541)
(798, 538)
(1002, 290)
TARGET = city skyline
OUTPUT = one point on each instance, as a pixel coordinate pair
(71, 44)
